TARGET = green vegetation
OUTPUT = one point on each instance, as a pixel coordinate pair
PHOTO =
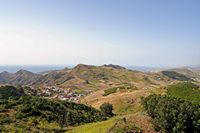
(121, 88)
(124, 127)
(178, 111)
(107, 109)
(172, 114)
(97, 127)
(176, 76)
(187, 91)
(109, 91)
(10, 91)
(29, 113)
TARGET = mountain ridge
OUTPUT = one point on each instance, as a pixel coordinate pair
(88, 77)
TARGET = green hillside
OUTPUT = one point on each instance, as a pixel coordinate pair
(34, 114)
(186, 90)
(176, 76)
(177, 111)
(10, 91)
(173, 115)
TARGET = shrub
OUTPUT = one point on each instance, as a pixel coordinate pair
(107, 109)
(109, 91)
(173, 114)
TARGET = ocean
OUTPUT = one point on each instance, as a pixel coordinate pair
(34, 69)
(37, 69)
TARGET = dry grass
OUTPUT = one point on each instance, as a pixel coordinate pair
(126, 104)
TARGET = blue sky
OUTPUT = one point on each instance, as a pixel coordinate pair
(125, 32)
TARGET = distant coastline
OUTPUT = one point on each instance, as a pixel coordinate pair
(37, 69)
(34, 69)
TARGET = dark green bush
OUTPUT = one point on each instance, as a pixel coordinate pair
(107, 109)
(173, 114)
(109, 91)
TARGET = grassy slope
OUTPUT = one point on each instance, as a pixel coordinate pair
(126, 102)
(98, 127)
(187, 91)
(92, 78)
(126, 105)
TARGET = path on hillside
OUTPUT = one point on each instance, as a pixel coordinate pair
(126, 104)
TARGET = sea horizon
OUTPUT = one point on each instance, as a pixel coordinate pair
(42, 68)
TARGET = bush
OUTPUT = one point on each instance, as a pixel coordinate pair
(122, 126)
(9, 91)
(5, 120)
(109, 91)
(107, 109)
(63, 112)
(173, 114)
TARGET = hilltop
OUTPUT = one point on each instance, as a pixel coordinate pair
(88, 78)
(185, 74)
(21, 77)
(91, 86)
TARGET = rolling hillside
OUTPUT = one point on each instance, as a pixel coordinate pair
(22, 77)
(187, 73)
(86, 78)
(22, 113)
(121, 87)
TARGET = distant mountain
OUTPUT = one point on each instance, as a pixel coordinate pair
(114, 66)
(21, 77)
(4, 77)
(187, 73)
(87, 78)
(195, 69)
(176, 76)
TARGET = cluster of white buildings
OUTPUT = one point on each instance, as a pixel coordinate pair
(55, 92)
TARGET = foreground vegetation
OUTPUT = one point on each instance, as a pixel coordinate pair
(187, 91)
(29, 113)
(177, 112)
(97, 127)
(122, 126)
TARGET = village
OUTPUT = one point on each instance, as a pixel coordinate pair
(55, 92)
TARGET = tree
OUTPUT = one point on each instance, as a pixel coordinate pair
(107, 109)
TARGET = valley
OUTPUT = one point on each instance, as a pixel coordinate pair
(93, 86)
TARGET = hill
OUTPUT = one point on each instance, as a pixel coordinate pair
(22, 77)
(176, 76)
(33, 114)
(187, 91)
(195, 69)
(86, 78)
(121, 87)
(114, 66)
(188, 72)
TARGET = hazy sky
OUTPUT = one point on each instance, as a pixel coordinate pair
(125, 32)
